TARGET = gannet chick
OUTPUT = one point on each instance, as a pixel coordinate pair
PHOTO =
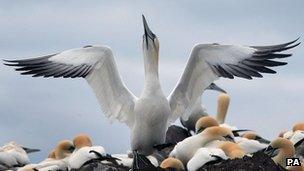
(285, 150)
(85, 152)
(172, 163)
(185, 149)
(205, 155)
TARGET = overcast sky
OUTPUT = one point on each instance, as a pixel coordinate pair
(39, 112)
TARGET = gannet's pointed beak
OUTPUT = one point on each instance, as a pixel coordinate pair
(30, 150)
(213, 86)
(148, 32)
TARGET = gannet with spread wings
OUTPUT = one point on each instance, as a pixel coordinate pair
(149, 115)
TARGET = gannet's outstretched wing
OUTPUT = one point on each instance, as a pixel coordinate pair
(94, 63)
(208, 62)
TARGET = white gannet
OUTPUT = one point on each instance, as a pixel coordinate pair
(13, 155)
(250, 145)
(57, 160)
(198, 110)
(203, 156)
(285, 150)
(32, 167)
(206, 155)
(82, 154)
(173, 164)
(149, 115)
(185, 149)
(289, 134)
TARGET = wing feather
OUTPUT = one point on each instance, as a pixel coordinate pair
(94, 63)
(208, 62)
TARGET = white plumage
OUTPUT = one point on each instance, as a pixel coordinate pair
(149, 115)
(203, 156)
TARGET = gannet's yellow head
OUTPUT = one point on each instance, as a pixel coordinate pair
(285, 150)
(205, 122)
(82, 140)
(222, 107)
(64, 149)
(52, 155)
(218, 133)
(172, 163)
(298, 127)
(232, 150)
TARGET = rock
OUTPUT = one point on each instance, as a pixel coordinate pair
(176, 134)
(258, 161)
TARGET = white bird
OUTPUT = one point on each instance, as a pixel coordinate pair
(203, 156)
(285, 150)
(250, 146)
(172, 164)
(57, 159)
(149, 115)
(85, 152)
(198, 110)
(14, 155)
(186, 149)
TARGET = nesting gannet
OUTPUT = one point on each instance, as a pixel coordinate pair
(208, 121)
(85, 152)
(203, 156)
(57, 159)
(198, 110)
(32, 167)
(185, 149)
(290, 133)
(172, 164)
(232, 150)
(250, 144)
(254, 136)
(149, 115)
(207, 155)
(14, 155)
(285, 150)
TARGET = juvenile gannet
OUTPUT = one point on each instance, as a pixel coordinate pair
(149, 115)
(285, 150)
(198, 110)
(173, 164)
(185, 149)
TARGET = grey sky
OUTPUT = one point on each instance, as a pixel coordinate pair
(38, 112)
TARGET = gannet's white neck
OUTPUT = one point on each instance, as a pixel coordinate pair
(151, 69)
